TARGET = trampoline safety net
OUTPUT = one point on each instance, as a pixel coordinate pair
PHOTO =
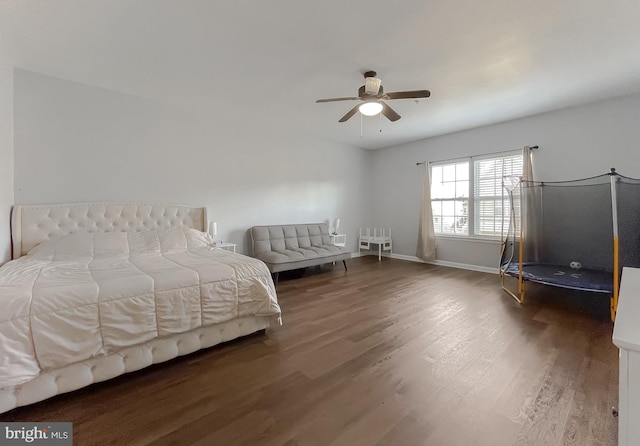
(567, 231)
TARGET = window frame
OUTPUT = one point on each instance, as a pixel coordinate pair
(454, 198)
(471, 198)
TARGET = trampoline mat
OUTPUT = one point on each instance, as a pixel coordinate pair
(564, 277)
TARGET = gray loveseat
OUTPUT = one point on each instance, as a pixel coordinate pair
(287, 247)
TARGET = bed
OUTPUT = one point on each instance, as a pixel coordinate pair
(96, 290)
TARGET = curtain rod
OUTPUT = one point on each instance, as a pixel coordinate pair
(464, 157)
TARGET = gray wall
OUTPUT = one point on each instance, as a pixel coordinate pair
(574, 143)
(75, 142)
(6, 152)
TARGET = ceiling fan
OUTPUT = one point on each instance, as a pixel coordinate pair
(371, 95)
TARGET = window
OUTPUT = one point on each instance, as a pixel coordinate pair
(467, 198)
(450, 198)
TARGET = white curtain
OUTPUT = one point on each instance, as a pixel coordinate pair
(426, 233)
(530, 208)
(527, 164)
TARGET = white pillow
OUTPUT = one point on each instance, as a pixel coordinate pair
(116, 244)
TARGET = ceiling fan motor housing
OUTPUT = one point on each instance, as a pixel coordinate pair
(363, 93)
(372, 84)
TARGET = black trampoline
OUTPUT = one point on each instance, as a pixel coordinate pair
(575, 234)
(564, 276)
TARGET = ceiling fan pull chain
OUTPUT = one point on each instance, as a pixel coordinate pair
(360, 125)
(380, 121)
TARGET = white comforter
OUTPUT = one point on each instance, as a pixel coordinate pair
(91, 294)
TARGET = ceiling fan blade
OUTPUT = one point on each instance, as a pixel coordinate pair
(349, 114)
(389, 113)
(337, 99)
(408, 94)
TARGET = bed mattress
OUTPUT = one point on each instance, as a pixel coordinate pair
(89, 295)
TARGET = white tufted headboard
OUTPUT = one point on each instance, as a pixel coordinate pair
(33, 224)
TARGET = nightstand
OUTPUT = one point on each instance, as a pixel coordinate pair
(231, 247)
(339, 239)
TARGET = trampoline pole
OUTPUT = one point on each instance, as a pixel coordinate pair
(520, 248)
(503, 272)
(616, 273)
(520, 281)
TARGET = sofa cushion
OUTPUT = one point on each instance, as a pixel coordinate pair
(284, 247)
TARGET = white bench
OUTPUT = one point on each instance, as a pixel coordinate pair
(379, 236)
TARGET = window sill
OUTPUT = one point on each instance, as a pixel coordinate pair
(465, 238)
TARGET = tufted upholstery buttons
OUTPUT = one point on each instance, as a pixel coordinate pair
(43, 222)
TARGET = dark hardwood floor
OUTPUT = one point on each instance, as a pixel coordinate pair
(388, 353)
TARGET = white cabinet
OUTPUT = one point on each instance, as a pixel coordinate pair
(626, 336)
(339, 239)
(231, 247)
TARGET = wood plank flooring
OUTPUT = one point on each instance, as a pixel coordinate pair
(387, 353)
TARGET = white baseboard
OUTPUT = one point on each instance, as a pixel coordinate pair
(467, 266)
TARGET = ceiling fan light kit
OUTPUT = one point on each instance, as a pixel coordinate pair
(370, 108)
(371, 94)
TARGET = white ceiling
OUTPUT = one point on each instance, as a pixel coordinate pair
(268, 61)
